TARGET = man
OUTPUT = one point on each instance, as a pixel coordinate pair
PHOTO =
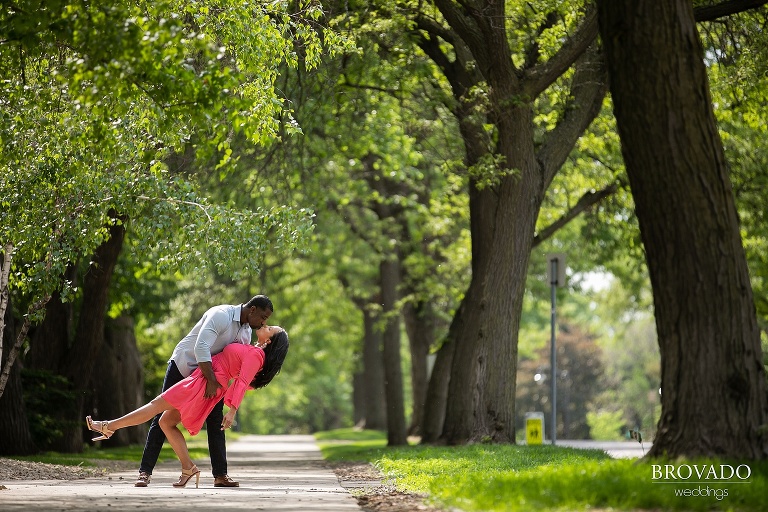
(219, 326)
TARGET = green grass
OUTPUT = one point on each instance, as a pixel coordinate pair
(352, 434)
(493, 478)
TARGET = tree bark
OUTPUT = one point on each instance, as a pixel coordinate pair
(50, 340)
(393, 374)
(373, 362)
(21, 335)
(117, 385)
(484, 365)
(420, 326)
(69, 340)
(80, 361)
(389, 284)
(436, 400)
(358, 397)
(15, 434)
(480, 403)
(714, 400)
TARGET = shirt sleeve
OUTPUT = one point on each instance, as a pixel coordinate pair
(214, 323)
(250, 363)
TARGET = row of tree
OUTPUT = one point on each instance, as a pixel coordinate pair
(99, 102)
(438, 157)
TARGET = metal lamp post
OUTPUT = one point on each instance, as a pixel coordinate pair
(556, 274)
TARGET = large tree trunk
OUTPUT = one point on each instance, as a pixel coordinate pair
(420, 326)
(713, 384)
(373, 363)
(117, 385)
(68, 343)
(15, 435)
(484, 366)
(503, 215)
(51, 338)
(393, 374)
(436, 400)
(451, 412)
(358, 396)
(80, 361)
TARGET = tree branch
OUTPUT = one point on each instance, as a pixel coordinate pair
(586, 201)
(462, 19)
(588, 88)
(392, 92)
(457, 73)
(177, 201)
(537, 79)
(34, 308)
(533, 52)
(713, 12)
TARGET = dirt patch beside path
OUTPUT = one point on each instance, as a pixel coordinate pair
(12, 469)
(372, 495)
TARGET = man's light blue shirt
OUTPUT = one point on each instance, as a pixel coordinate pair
(217, 328)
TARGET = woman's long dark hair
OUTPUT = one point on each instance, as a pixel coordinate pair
(275, 355)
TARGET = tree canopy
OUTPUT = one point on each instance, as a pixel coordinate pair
(97, 97)
(407, 183)
(96, 100)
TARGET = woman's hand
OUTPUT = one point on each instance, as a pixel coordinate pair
(229, 419)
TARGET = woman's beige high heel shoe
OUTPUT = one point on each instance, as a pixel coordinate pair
(186, 474)
(102, 427)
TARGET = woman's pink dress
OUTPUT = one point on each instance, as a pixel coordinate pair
(237, 361)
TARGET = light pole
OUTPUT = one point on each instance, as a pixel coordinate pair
(556, 272)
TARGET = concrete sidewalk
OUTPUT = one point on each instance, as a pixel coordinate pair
(276, 473)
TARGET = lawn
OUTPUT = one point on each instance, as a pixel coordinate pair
(491, 478)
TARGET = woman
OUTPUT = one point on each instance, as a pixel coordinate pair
(248, 366)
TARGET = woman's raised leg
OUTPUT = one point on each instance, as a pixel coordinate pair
(138, 416)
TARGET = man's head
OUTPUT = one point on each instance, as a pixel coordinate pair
(257, 311)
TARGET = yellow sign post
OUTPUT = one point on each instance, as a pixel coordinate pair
(534, 427)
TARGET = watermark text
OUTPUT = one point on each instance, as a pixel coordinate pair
(701, 480)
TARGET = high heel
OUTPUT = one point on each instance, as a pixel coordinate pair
(102, 427)
(186, 474)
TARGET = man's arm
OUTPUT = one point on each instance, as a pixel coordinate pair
(209, 331)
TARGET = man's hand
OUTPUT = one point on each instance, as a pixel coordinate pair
(211, 385)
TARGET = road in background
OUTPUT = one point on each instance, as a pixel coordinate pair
(616, 449)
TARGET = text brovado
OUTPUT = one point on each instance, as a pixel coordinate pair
(723, 472)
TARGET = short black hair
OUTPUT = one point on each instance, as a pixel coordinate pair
(261, 301)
